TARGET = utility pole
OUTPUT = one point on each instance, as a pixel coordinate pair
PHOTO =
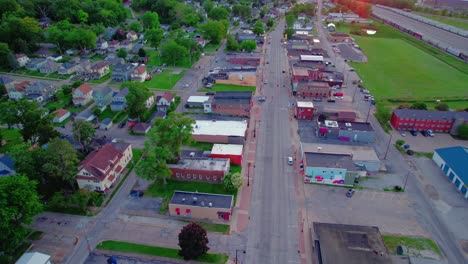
(406, 180)
(248, 175)
(388, 146)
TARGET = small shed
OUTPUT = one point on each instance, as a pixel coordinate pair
(106, 124)
(141, 128)
(197, 101)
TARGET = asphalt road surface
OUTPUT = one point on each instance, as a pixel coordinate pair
(442, 36)
(273, 231)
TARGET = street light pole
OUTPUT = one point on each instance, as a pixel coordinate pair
(237, 250)
(248, 175)
(406, 180)
(388, 146)
(368, 112)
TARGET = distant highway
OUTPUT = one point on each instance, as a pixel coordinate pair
(446, 38)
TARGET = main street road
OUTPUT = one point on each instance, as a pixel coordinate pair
(273, 235)
(442, 36)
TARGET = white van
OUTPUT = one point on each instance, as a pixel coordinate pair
(290, 160)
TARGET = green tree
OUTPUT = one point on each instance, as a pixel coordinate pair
(122, 53)
(151, 20)
(258, 28)
(61, 161)
(463, 131)
(193, 241)
(173, 53)
(163, 144)
(135, 26)
(419, 105)
(242, 11)
(142, 52)
(154, 36)
(98, 28)
(270, 22)
(290, 19)
(231, 43)
(83, 132)
(136, 98)
(218, 13)
(4, 53)
(21, 34)
(208, 5)
(248, 45)
(232, 181)
(20, 203)
(214, 31)
(442, 107)
(3, 90)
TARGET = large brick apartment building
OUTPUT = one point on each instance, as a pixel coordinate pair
(230, 103)
(200, 169)
(419, 120)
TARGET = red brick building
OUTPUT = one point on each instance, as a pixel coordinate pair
(419, 120)
(233, 152)
(304, 110)
(245, 61)
(200, 169)
(311, 89)
(306, 75)
(230, 103)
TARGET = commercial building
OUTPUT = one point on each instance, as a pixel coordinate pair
(201, 205)
(200, 169)
(453, 161)
(304, 110)
(325, 168)
(311, 89)
(349, 244)
(339, 37)
(244, 76)
(245, 61)
(346, 131)
(419, 120)
(230, 103)
(362, 156)
(228, 151)
(197, 101)
(217, 131)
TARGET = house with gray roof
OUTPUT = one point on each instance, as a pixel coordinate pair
(119, 102)
(123, 72)
(109, 33)
(67, 68)
(35, 63)
(49, 67)
(40, 91)
(102, 96)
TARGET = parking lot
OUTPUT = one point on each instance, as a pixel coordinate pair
(421, 143)
(350, 53)
(390, 211)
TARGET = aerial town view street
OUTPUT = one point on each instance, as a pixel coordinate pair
(219, 131)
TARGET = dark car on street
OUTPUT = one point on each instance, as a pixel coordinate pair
(414, 133)
(350, 193)
(136, 193)
(424, 133)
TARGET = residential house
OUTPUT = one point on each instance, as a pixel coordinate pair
(136, 48)
(102, 167)
(119, 102)
(106, 124)
(35, 63)
(61, 115)
(7, 165)
(210, 170)
(230, 103)
(49, 67)
(420, 120)
(102, 45)
(55, 57)
(102, 96)
(44, 22)
(122, 72)
(43, 52)
(166, 99)
(7, 82)
(126, 44)
(141, 128)
(22, 59)
(100, 69)
(109, 33)
(150, 101)
(86, 115)
(114, 45)
(40, 91)
(82, 95)
(84, 67)
(67, 68)
(132, 35)
(17, 90)
(139, 74)
(143, 60)
(201, 42)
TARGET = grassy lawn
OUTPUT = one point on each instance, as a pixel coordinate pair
(202, 145)
(35, 235)
(155, 60)
(102, 80)
(210, 227)
(165, 80)
(62, 100)
(157, 251)
(97, 57)
(411, 243)
(165, 191)
(55, 75)
(107, 114)
(229, 88)
(463, 24)
(211, 47)
(31, 73)
(11, 138)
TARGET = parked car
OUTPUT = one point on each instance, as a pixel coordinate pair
(339, 97)
(331, 100)
(265, 82)
(290, 160)
(136, 193)
(209, 85)
(210, 93)
(430, 133)
(350, 193)
(424, 133)
(403, 133)
(409, 152)
(414, 133)
(122, 124)
(317, 99)
(185, 85)
(262, 99)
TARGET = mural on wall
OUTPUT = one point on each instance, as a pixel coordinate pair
(335, 179)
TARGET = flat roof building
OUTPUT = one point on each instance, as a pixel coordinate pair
(210, 170)
(347, 131)
(220, 131)
(349, 244)
(201, 205)
(197, 100)
(231, 151)
(453, 161)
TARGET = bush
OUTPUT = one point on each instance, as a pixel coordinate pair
(442, 107)
(400, 142)
(232, 181)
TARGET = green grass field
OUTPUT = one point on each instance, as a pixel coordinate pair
(10, 137)
(172, 253)
(413, 243)
(229, 88)
(164, 80)
(459, 23)
(155, 60)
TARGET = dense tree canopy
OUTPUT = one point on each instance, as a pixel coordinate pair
(83, 132)
(151, 20)
(248, 45)
(214, 31)
(193, 241)
(173, 53)
(258, 28)
(136, 98)
(218, 13)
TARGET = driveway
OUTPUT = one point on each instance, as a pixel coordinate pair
(390, 211)
(428, 144)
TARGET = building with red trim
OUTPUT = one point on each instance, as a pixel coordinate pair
(200, 170)
(228, 151)
(230, 103)
(102, 167)
(311, 89)
(304, 110)
(420, 120)
(201, 205)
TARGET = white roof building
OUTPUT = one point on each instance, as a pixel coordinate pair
(197, 99)
(311, 58)
(227, 149)
(34, 258)
(305, 104)
(220, 128)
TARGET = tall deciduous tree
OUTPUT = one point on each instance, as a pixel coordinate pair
(248, 45)
(214, 31)
(61, 161)
(232, 181)
(122, 53)
(154, 36)
(20, 203)
(136, 26)
(150, 20)
(83, 132)
(136, 98)
(173, 53)
(218, 13)
(258, 28)
(193, 241)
